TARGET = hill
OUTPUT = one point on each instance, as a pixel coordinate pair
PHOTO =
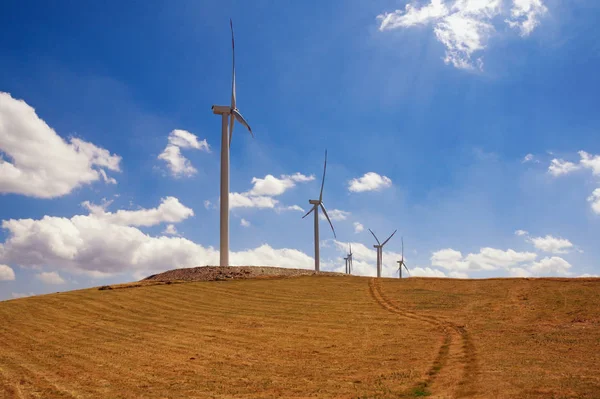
(310, 336)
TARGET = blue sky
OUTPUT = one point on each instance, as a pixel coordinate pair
(445, 99)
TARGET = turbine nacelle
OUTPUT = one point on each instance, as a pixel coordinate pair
(314, 202)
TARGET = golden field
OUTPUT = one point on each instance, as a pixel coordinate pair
(309, 336)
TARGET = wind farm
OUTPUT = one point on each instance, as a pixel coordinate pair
(301, 313)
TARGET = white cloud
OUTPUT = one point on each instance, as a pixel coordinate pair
(6, 273)
(209, 205)
(486, 259)
(370, 181)
(588, 275)
(289, 208)
(455, 274)
(551, 266)
(424, 272)
(590, 162)
(170, 210)
(521, 233)
(40, 163)
(260, 196)
(465, 26)
(170, 230)
(358, 227)
(552, 244)
(529, 158)
(178, 164)
(559, 167)
(244, 200)
(518, 272)
(412, 15)
(525, 15)
(244, 223)
(594, 199)
(50, 278)
(336, 215)
(96, 246)
(273, 186)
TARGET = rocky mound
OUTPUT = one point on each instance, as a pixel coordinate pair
(220, 273)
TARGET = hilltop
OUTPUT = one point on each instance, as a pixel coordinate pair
(309, 336)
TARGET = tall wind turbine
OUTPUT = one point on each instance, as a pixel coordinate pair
(347, 262)
(315, 209)
(350, 260)
(379, 249)
(401, 262)
(229, 113)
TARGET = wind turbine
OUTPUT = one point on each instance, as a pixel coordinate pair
(401, 262)
(379, 249)
(346, 259)
(229, 113)
(315, 208)
(350, 260)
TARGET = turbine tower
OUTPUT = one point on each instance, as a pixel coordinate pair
(229, 113)
(401, 262)
(350, 260)
(315, 207)
(379, 249)
(346, 259)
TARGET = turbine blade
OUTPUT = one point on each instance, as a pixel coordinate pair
(323, 181)
(233, 104)
(407, 270)
(375, 237)
(241, 120)
(402, 238)
(389, 237)
(329, 220)
(308, 213)
(350, 249)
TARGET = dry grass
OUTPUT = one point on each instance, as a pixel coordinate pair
(315, 336)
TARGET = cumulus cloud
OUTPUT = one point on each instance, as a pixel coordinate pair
(525, 15)
(594, 200)
(336, 215)
(518, 272)
(486, 259)
(37, 162)
(370, 181)
(263, 189)
(358, 227)
(170, 230)
(170, 210)
(103, 247)
(244, 223)
(177, 164)
(425, 272)
(552, 244)
(464, 27)
(273, 186)
(6, 273)
(290, 208)
(50, 278)
(589, 161)
(559, 167)
(245, 200)
(551, 266)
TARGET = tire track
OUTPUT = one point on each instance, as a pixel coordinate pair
(454, 370)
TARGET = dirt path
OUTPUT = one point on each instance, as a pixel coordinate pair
(454, 370)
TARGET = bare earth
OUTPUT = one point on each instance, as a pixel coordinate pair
(309, 336)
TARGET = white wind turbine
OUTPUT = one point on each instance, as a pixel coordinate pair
(347, 259)
(315, 209)
(379, 249)
(229, 113)
(401, 262)
(350, 260)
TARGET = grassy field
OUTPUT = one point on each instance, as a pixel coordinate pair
(346, 337)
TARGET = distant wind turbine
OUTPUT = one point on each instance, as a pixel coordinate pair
(379, 249)
(315, 208)
(401, 262)
(229, 113)
(350, 260)
(347, 262)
